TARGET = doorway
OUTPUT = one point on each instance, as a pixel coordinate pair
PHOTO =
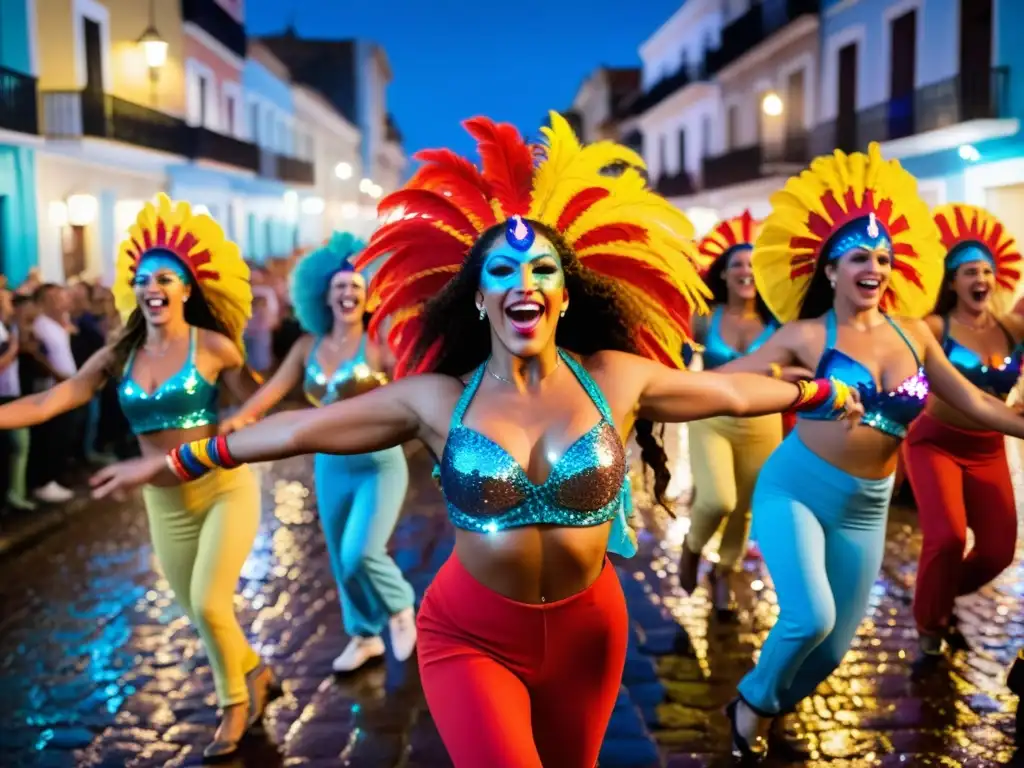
(846, 112)
(903, 56)
(976, 85)
(93, 119)
(73, 251)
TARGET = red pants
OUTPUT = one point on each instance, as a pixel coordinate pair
(517, 685)
(960, 480)
(788, 422)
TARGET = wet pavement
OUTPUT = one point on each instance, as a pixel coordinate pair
(98, 666)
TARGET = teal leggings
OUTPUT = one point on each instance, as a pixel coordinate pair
(360, 498)
(823, 542)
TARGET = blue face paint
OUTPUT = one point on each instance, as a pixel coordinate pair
(519, 234)
(860, 234)
(966, 253)
(504, 268)
(158, 261)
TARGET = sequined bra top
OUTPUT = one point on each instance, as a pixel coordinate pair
(890, 412)
(717, 352)
(183, 401)
(998, 376)
(487, 491)
(350, 378)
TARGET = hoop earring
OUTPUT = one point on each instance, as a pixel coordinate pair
(483, 313)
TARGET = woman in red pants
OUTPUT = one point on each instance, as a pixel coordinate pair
(957, 469)
(538, 312)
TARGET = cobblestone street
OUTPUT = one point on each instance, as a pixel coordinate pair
(100, 668)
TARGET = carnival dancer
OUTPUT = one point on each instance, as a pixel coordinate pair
(726, 453)
(538, 316)
(848, 247)
(359, 495)
(957, 468)
(184, 293)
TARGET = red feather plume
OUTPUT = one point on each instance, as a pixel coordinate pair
(456, 177)
(507, 162)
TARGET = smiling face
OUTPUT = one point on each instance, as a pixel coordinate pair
(862, 273)
(162, 287)
(523, 293)
(346, 297)
(973, 283)
(738, 275)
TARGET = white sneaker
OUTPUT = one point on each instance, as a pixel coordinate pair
(403, 633)
(358, 651)
(54, 493)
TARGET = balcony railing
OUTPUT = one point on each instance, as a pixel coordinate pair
(210, 145)
(677, 185)
(209, 16)
(73, 114)
(19, 108)
(931, 107)
(755, 162)
(755, 26)
(295, 171)
(661, 90)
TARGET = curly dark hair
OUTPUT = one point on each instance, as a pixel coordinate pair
(133, 335)
(714, 279)
(598, 321)
(946, 302)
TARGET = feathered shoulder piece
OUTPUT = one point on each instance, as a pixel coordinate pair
(197, 241)
(615, 225)
(969, 233)
(728, 235)
(836, 192)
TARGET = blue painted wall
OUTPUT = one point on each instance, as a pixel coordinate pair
(260, 81)
(19, 228)
(14, 40)
(1009, 21)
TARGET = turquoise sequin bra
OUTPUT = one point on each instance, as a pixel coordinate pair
(347, 380)
(997, 378)
(486, 490)
(183, 401)
(717, 353)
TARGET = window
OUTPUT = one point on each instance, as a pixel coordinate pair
(662, 163)
(682, 150)
(732, 127)
(254, 122)
(230, 125)
(203, 95)
(705, 138)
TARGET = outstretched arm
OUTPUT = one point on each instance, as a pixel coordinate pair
(949, 384)
(779, 357)
(273, 391)
(66, 396)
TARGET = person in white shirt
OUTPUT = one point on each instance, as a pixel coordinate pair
(51, 446)
(10, 389)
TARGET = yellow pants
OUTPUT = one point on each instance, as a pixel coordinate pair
(726, 455)
(202, 533)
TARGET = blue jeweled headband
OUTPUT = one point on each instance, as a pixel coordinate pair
(728, 253)
(519, 234)
(865, 232)
(157, 259)
(965, 253)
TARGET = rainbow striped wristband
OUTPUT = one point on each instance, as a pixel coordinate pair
(193, 460)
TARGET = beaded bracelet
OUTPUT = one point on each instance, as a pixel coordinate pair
(193, 460)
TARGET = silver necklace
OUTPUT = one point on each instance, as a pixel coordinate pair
(558, 362)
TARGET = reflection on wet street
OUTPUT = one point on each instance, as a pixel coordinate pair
(100, 668)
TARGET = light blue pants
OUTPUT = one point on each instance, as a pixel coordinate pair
(822, 534)
(360, 498)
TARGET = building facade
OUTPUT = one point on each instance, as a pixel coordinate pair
(601, 102)
(19, 137)
(939, 83)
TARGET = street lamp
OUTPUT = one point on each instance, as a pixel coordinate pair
(771, 104)
(154, 50)
(343, 171)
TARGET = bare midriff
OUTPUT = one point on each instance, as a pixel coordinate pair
(860, 451)
(159, 443)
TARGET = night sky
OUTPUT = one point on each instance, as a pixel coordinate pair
(453, 59)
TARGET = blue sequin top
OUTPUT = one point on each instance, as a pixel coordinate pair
(487, 491)
(890, 412)
(998, 380)
(717, 353)
(350, 378)
(183, 401)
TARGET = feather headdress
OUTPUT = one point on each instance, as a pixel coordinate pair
(614, 224)
(311, 279)
(197, 241)
(961, 226)
(740, 230)
(836, 190)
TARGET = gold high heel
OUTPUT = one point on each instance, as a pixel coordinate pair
(260, 696)
(224, 749)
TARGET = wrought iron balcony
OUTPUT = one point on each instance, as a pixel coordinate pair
(74, 114)
(949, 102)
(661, 90)
(19, 107)
(209, 16)
(295, 171)
(760, 22)
(755, 162)
(210, 145)
(677, 185)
